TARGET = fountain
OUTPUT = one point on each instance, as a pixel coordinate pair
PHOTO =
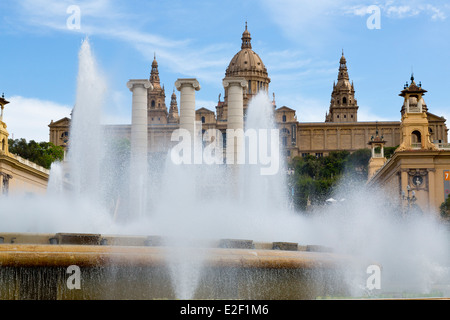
(200, 231)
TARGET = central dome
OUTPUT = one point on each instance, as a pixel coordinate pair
(248, 65)
(246, 62)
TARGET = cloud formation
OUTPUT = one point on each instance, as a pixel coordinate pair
(29, 117)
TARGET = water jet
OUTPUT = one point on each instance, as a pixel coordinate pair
(194, 231)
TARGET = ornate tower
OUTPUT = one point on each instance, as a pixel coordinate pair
(157, 110)
(377, 160)
(3, 132)
(414, 128)
(173, 110)
(343, 105)
(248, 65)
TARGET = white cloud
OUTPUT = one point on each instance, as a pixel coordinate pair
(307, 109)
(111, 20)
(304, 20)
(401, 9)
(29, 117)
(436, 13)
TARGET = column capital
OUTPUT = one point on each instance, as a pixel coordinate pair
(187, 82)
(139, 82)
(229, 81)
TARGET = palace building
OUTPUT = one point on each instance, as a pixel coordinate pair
(340, 130)
(418, 174)
(18, 175)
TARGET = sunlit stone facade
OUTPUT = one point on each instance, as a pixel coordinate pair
(340, 130)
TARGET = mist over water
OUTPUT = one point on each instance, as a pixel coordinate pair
(88, 194)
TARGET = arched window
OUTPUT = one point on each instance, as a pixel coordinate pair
(284, 118)
(153, 103)
(203, 119)
(344, 100)
(416, 139)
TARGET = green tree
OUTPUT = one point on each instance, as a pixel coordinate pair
(357, 163)
(445, 208)
(41, 153)
(389, 151)
(316, 177)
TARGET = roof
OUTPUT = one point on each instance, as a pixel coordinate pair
(63, 121)
(203, 110)
(284, 108)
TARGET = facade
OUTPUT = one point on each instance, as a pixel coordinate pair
(18, 175)
(341, 129)
(418, 174)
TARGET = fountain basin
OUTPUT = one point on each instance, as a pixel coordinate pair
(119, 267)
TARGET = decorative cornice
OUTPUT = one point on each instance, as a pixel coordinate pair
(239, 81)
(139, 82)
(187, 82)
(23, 164)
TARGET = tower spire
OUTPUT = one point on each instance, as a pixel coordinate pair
(246, 39)
(343, 105)
(154, 74)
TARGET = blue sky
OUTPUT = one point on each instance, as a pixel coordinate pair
(300, 42)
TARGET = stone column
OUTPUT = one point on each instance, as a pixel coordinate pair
(235, 116)
(139, 130)
(139, 147)
(187, 88)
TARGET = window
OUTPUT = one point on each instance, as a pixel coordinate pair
(65, 136)
(416, 139)
(153, 103)
(224, 139)
(305, 154)
(284, 141)
(3, 145)
(203, 119)
(344, 100)
(319, 155)
(284, 118)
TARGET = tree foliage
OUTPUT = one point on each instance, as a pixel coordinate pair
(445, 208)
(41, 153)
(315, 177)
